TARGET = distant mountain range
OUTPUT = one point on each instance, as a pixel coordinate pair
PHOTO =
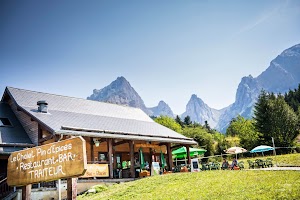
(282, 74)
(121, 92)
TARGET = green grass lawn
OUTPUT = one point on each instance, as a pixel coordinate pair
(218, 184)
(208, 185)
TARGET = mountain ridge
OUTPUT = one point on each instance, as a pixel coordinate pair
(282, 74)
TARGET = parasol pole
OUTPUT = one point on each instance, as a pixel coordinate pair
(274, 151)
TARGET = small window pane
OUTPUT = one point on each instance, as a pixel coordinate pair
(4, 122)
(102, 157)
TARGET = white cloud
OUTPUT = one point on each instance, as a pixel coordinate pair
(262, 18)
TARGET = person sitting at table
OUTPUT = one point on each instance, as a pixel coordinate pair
(225, 164)
(234, 164)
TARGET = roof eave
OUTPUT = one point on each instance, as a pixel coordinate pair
(124, 136)
(28, 113)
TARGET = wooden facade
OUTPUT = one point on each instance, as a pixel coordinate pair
(111, 151)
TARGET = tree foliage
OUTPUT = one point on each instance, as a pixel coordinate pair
(285, 123)
(262, 120)
(245, 130)
(178, 120)
(293, 99)
(275, 118)
(187, 120)
(169, 123)
(201, 136)
(220, 143)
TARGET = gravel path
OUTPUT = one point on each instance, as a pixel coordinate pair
(279, 168)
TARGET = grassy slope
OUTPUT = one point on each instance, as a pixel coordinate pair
(213, 185)
(209, 185)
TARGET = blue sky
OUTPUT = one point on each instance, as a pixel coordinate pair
(167, 50)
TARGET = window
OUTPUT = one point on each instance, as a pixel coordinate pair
(5, 122)
(103, 157)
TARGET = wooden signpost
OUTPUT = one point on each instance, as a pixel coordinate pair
(64, 159)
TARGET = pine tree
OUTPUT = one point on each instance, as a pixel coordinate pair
(275, 118)
(261, 113)
(284, 125)
(293, 98)
(187, 120)
(207, 127)
(178, 120)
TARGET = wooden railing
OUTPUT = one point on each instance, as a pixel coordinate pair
(4, 188)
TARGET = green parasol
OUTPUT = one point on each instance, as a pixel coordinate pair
(162, 160)
(142, 161)
(181, 152)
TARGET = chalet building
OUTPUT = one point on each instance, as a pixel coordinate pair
(114, 134)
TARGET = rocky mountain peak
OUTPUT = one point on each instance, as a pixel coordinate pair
(161, 109)
(283, 72)
(194, 96)
(247, 91)
(119, 92)
(201, 112)
(162, 104)
(195, 100)
(292, 51)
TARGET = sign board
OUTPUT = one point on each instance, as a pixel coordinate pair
(96, 170)
(147, 145)
(48, 162)
(155, 169)
(195, 165)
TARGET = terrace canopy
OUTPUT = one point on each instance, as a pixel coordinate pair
(182, 152)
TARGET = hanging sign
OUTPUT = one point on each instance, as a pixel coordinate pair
(48, 162)
(96, 170)
(147, 145)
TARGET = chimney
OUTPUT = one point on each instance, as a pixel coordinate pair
(43, 106)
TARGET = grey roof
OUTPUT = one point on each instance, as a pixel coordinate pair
(14, 135)
(92, 115)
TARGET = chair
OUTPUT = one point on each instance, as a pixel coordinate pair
(260, 163)
(215, 166)
(268, 162)
(116, 173)
(205, 167)
(241, 165)
(177, 168)
(251, 164)
(225, 165)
